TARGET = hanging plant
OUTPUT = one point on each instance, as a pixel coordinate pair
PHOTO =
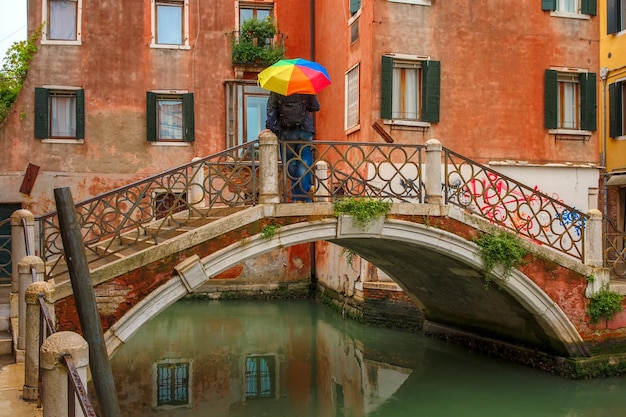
(604, 305)
(255, 44)
(362, 209)
(500, 249)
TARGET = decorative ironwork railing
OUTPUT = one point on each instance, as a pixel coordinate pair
(151, 208)
(515, 206)
(354, 169)
(614, 249)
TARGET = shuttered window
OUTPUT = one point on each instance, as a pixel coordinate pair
(59, 114)
(615, 15)
(617, 109)
(410, 89)
(169, 117)
(571, 6)
(570, 100)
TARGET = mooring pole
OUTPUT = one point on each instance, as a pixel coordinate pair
(86, 303)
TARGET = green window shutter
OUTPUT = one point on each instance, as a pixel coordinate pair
(355, 5)
(151, 117)
(386, 87)
(615, 110)
(612, 25)
(589, 7)
(588, 101)
(550, 99)
(188, 127)
(431, 91)
(548, 4)
(80, 114)
(41, 113)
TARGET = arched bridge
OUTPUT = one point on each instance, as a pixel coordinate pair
(154, 242)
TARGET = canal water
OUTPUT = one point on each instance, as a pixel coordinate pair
(301, 359)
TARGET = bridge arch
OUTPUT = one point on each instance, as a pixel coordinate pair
(440, 271)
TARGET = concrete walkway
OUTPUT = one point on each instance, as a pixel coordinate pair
(11, 386)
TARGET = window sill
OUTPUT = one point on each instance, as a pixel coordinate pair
(60, 42)
(353, 129)
(354, 17)
(417, 2)
(177, 144)
(159, 46)
(570, 15)
(570, 134)
(64, 141)
(623, 137)
(399, 124)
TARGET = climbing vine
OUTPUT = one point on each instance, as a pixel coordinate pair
(269, 230)
(15, 65)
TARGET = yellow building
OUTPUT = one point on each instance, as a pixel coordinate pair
(612, 110)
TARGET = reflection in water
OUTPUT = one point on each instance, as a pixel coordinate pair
(297, 358)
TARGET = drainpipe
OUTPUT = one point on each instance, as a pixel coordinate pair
(604, 73)
(312, 53)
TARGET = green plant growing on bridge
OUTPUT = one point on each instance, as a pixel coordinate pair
(604, 305)
(269, 230)
(349, 255)
(500, 249)
(362, 209)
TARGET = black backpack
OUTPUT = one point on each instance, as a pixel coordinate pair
(291, 110)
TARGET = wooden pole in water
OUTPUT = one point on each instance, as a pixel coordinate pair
(86, 306)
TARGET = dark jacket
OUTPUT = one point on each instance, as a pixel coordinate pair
(272, 123)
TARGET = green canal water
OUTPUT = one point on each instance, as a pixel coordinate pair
(299, 358)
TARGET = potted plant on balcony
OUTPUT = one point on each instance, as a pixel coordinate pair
(256, 44)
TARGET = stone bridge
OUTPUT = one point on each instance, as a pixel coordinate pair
(425, 244)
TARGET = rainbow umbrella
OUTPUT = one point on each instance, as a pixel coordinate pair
(291, 76)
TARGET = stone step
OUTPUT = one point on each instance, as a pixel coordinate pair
(5, 317)
(6, 343)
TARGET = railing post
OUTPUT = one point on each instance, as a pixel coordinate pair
(322, 188)
(432, 172)
(593, 239)
(33, 319)
(196, 188)
(25, 268)
(56, 393)
(20, 240)
(268, 168)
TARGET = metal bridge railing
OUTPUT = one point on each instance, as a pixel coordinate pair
(354, 169)
(515, 206)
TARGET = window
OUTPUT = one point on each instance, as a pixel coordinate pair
(61, 20)
(570, 100)
(173, 379)
(410, 89)
(170, 117)
(352, 98)
(616, 16)
(257, 10)
(246, 107)
(260, 377)
(170, 23)
(59, 113)
(570, 7)
(617, 109)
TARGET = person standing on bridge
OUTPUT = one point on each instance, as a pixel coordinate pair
(290, 118)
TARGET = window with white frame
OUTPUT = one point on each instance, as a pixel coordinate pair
(616, 16)
(169, 117)
(173, 379)
(410, 89)
(352, 98)
(61, 21)
(570, 100)
(59, 113)
(617, 109)
(570, 7)
(246, 107)
(170, 23)
(258, 10)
